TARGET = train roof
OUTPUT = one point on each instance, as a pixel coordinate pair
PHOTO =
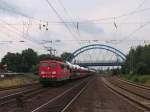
(53, 61)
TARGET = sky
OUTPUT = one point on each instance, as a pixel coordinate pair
(67, 25)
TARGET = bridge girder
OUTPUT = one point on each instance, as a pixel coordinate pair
(99, 64)
(98, 46)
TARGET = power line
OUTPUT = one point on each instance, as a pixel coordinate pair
(138, 7)
(80, 22)
(106, 18)
(118, 17)
(66, 11)
(95, 40)
(141, 4)
(139, 28)
(90, 40)
(133, 12)
(19, 33)
(55, 11)
(136, 30)
(75, 24)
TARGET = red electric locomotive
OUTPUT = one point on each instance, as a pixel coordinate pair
(53, 71)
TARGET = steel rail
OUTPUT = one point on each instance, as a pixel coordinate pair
(58, 97)
(132, 83)
(8, 98)
(75, 98)
(142, 102)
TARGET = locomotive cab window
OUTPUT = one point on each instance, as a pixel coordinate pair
(44, 64)
(53, 65)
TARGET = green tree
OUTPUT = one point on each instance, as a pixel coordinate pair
(12, 61)
(29, 58)
(138, 61)
(65, 55)
(141, 68)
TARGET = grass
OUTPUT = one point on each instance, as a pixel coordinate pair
(18, 81)
(142, 79)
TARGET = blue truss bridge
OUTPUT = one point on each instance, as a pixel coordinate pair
(97, 55)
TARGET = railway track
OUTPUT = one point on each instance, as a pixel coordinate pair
(19, 95)
(139, 95)
(17, 90)
(18, 87)
(139, 90)
(41, 100)
(133, 83)
(62, 102)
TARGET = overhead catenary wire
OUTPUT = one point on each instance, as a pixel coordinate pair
(75, 24)
(103, 19)
(115, 41)
(141, 4)
(82, 21)
(118, 17)
(136, 9)
(67, 13)
(19, 33)
(61, 19)
(123, 15)
(137, 29)
(141, 26)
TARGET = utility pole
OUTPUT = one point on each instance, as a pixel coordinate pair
(50, 46)
(131, 61)
(51, 50)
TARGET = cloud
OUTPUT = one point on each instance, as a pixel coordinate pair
(91, 28)
(9, 8)
(16, 7)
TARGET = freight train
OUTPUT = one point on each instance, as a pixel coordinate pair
(52, 71)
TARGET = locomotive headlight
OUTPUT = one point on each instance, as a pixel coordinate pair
(53, 72)
(43, 76)
(42, 72)
(53, 76)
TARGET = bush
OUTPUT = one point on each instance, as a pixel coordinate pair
(144, 79)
